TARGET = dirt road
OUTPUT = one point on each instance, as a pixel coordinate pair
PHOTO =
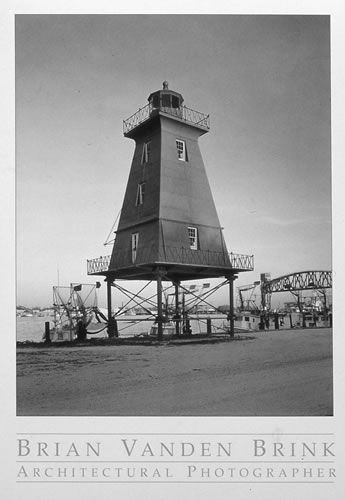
(281, 373)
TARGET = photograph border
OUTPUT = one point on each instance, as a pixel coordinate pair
(205, 427)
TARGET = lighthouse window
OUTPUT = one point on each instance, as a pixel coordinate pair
(166, 100)
(146, 152)
(140, 194)
(135, 240)
(181, 150)
(193, 238)
(175, 101)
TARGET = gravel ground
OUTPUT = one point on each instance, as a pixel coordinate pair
(281, 373)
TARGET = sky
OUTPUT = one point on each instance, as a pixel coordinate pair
(264, 80)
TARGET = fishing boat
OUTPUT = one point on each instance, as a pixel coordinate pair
(247, 320)
(169, 329)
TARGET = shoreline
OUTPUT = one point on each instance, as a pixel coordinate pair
(147, 340)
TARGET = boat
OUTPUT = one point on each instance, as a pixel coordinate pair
(247, 320)
(169, 329)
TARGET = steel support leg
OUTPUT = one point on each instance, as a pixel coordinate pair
(177, 311)
(231, 297)
(159, 307)
(112, 324)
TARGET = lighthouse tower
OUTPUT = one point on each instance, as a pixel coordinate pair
(168, 218)
(169, 228)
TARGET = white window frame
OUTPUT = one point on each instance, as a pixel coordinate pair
(134, 243)
(193, 238)
(140, 194)
(181, 149)
(146, 156)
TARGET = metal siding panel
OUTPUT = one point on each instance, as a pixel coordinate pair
(177, 195)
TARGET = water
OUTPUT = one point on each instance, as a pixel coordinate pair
(32, 328)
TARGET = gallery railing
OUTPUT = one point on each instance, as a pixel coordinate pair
(98, 265)
(242, 261)
(186, 114)
(171, 255)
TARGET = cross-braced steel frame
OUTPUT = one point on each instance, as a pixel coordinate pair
(185, 301)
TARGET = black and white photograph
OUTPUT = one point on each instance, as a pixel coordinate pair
(173, 215)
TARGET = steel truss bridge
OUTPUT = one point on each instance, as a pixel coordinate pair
(306, 280)
(295, 282)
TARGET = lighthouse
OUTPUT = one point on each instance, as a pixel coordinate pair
(168, 229)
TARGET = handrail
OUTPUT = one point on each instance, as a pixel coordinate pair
(98, 265)
(172, 255)
(183, 113)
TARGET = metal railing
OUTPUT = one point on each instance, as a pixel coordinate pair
(242, 261)
(98, 265)
(183, 113)
(171, 255)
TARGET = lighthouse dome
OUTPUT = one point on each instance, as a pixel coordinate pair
(166, 99)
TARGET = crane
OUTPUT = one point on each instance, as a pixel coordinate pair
(245, 288)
